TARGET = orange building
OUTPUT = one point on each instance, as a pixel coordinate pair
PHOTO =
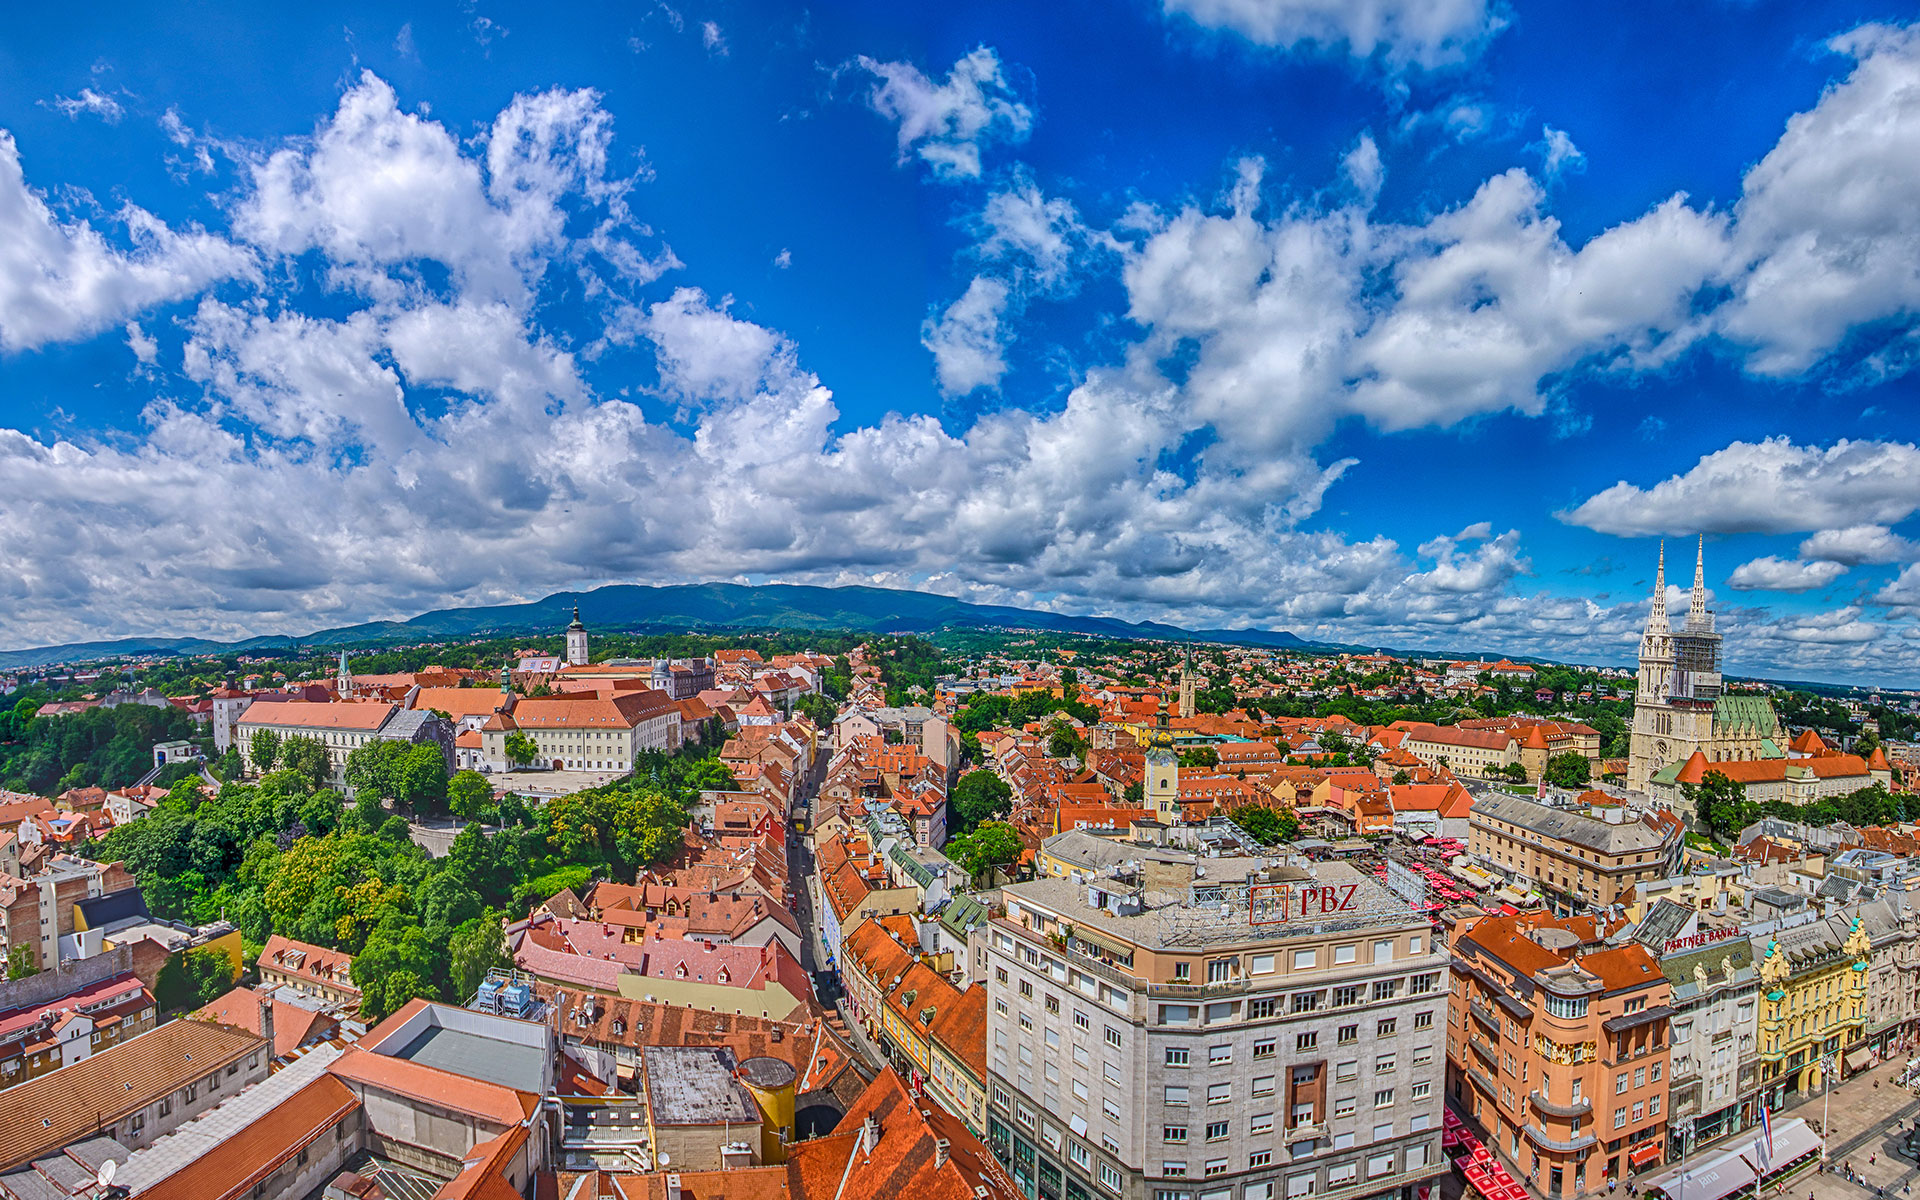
(1557, 1046)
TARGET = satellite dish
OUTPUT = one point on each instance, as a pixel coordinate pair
(665, 1159)
(107, 1169)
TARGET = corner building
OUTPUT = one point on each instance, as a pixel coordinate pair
(1214, 1029)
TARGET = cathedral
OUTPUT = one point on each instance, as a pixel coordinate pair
(1679, 706)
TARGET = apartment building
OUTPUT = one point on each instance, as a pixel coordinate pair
(1813, 1005)
(1557, 1046)
(1214, 1029)
(1578, 857)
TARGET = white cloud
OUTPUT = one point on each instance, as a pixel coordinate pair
(63, 279)
(706, 353)
(1828, 236)
(1558, 154)
(1770, 574)
(946, 124)
(1364, 170)
(1774, 486)
(1858, 544)
(713, 39)
(784, 259)
(1423, 33)
(145, 348)
(91, 102)
(1040, 235)
(968, 341)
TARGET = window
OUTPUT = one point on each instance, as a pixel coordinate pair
(1386, 1028)
(1385, 989)
(1383, 951)
(1216, 1166)
(1383, 1098)
(1349, 1034)
(1260, 964)
(1080, 1020)
(1053, 1004)
(1347, 997)
(999, 974)
(1383, 1132)
(1220, 970)
(1348, 1071)
(1175, 1168)
(1263, 1048)
(1259, 1158)
(1000, 1006)
(1026, 988)
(1306, 1002)
(1343, 1174)
(1566, 1007)
(1654, 1073)
(1026, 1022)
(1639, 1111)
(1000, 1097)
(1177, 1056)
(1081, 1156)
(1306, 1041)
(1113, 1036)
(1219, 1093)
(1110, 1072)
(1423, 1020)
(1024, 1115)
(1183, 972)
(1619, 1118)
(1111, 1109)
(1639, 1077)
(1303, 960)
(1261, 1123)
(1422, 1090)
(1343, 1107)
(1417, 1156)
(1218, 1131)
(1080, 1089)
(1423, 985)
(1176, 1095)
(1263, 1085)
(1260, 1010)
(1378, 1165)
(1653, 1107)
(1620, 1084)
(1345, 954)
(1053, 1039)
(1383, 1063)
(1299, 1185)
(1219, 1054)
(1423, 1056)
(1176, 1134)
(1109, 1178)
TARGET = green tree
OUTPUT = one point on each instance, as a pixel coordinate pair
(192, 980)
(1268, 825)
(979, 796)
(264, 749)
(521, 749)
(396, 965)
(1721, 804)
(1513, 771)
(1199, 758)
(1569, 770)
(21, 962)
(1135, 793)
(477, 947)
(306, 757)
(981, 852)
(469, 795)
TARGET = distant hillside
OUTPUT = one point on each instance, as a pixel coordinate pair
(637, 607)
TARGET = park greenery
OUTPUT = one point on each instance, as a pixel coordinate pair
(984, 851)
(282, 854)
(1722, 805)
(100, 747)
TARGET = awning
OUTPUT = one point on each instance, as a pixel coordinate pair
(1723, 1174)
(1856, 1060)
(1643, 1154)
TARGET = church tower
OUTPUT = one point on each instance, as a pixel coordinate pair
(343, 678)
(1163, 770)
(1187, 685)
(576, 641)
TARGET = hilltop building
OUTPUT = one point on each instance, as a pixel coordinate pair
(577, 641)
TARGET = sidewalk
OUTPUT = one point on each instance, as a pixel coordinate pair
(1864, 1122)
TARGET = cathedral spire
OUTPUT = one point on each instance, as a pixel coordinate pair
(1657, 619)
(1697, 605)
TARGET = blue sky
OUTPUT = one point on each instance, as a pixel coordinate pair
(1409, 323)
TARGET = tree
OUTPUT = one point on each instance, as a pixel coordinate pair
(21, 962)
(469, 795)
(979, 796)
(982, 851)
(1569, 770)
(818, 709)
(1721, 804)
(1200, 758)
(420, 777)
(1135, 793)
(1402, 777)
(477, 947)
(306, 757)
(264, 749)
(1513, 771)
(192, 980)
(1267, 825)
(521, 749)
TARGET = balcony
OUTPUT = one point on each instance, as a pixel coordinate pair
(1484, 1082)
(1484, 1015)
(1538, 1137)
(1484, 1050)
(1577, 1108)
(1307, 1131)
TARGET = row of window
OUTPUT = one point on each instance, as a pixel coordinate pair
(1179, 1095)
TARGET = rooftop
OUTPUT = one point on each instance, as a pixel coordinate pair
(476, 1056)
(696, 1085)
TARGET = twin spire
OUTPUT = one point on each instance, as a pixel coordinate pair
(1696, 603)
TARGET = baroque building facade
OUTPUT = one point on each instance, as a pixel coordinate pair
(1680, 705)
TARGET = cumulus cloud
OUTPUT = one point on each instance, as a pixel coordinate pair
(1774, 486)
(1859, 544)
(1422, 33)
(947, 123)
(968, 340)
(1770, 574)
(1828, 236)
(62, 279)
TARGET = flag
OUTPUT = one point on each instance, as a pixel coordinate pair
(1766, 1125)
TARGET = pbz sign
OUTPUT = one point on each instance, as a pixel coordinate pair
(1278, 903)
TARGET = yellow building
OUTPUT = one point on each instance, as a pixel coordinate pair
(1813, 1005)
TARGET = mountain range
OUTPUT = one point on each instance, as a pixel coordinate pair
(626, 607)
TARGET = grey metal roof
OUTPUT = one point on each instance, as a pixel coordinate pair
(1628, 837)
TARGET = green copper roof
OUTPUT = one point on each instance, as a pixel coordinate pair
(1746, 712)
(1769, 750)
(1665, 774)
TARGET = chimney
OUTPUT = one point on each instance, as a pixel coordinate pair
(940, 1146)
(673, 1186)
(266, 1021)
(870, 1131)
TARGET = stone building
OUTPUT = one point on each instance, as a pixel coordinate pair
(1219, 1028)
(1715, 1061)
(1813, 1005)
(1578, 857)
